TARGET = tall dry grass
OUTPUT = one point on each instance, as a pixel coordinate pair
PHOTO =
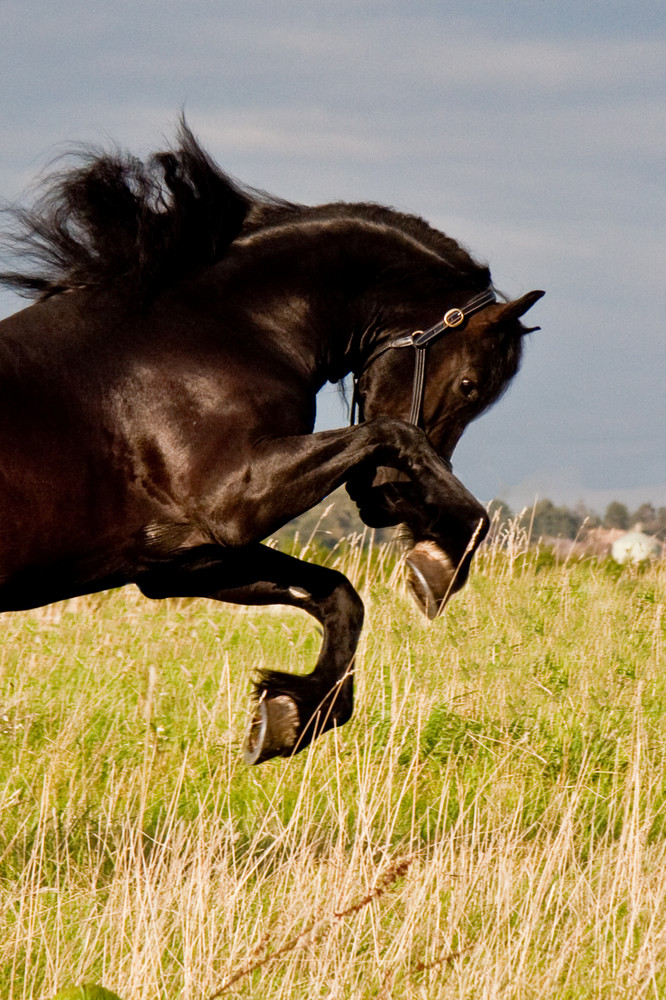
(491, 823)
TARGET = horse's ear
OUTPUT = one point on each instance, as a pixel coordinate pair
(514, 310)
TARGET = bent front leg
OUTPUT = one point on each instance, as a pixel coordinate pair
(289, 475)
(291, 709)
(284, 477)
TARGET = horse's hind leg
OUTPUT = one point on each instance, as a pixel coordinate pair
(312, 703)
(291, 709)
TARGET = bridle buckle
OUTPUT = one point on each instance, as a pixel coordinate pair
(454, 317)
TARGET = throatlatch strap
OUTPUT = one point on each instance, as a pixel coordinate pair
(418, 384)
(355, 409)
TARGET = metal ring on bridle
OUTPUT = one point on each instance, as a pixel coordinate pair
(454, 317)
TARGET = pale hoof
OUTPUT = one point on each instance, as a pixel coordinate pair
(273, 731)
(430, 578)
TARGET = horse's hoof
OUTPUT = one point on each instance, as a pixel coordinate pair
(273, 731)
(430, 577)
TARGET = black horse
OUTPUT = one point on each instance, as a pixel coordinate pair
(157, 402)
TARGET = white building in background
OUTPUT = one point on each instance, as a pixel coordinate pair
(635, 547)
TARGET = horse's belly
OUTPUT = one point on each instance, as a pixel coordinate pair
(52, 549)
(36, 586)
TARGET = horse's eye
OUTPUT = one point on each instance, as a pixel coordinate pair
(468, 388)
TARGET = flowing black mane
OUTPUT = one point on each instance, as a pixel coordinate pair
(116, 220)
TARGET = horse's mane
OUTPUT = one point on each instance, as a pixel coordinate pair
(116, 220)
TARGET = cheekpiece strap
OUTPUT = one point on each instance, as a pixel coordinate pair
(421, 338)
(418, 384)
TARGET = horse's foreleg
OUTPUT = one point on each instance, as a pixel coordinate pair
(288, 476)
(284, 477)
(291, 709)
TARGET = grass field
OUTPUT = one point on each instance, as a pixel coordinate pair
(491, 824)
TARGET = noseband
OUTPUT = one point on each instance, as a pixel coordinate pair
(419, 340)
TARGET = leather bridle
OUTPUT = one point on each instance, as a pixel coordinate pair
(420, 340)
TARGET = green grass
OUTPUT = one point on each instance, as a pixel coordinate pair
(492, 823)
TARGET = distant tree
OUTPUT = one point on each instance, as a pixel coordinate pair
(501, 510)
(616, 516)
(661, 522)
(646, 516)
(589, 517)
(552, 521)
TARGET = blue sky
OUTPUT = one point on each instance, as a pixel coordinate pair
(534, 133)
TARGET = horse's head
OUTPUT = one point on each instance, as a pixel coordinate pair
(468, 360)
(442, 377)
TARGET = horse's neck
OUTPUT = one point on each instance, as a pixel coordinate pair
(320, 287)
(304, 312)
